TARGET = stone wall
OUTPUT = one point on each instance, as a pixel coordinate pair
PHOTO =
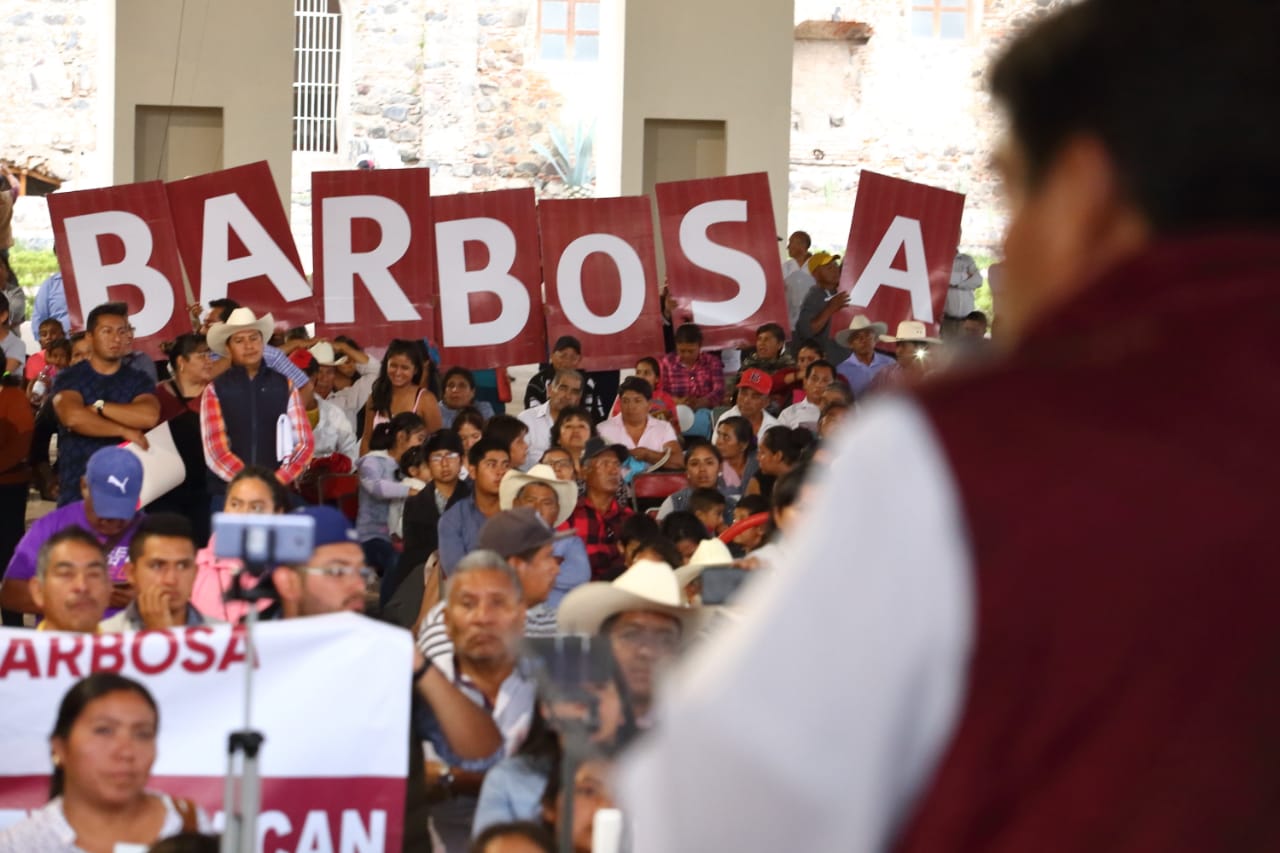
(455, 86)
(909, 107)
(47, 101)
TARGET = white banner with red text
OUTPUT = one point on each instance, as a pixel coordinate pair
(330, 694)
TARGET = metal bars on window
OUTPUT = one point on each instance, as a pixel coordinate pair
(317, 45)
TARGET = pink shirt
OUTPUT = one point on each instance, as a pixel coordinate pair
(213, 578)
(657, 434)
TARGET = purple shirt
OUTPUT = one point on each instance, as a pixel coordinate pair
(859, 375)
(23, 564)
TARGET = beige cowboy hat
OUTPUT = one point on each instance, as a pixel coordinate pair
(911, 332)
(239, 320)
(710, 552)
(325, 356)
(648, 586)
(859, 324)
(515, 480)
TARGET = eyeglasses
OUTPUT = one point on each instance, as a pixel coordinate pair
(447, 456)
(663, 641)
(340, 572)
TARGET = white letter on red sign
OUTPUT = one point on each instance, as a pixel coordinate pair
(736, 265)
(630, 278)
(342, 265)
(903, 233)
(93, 277)
(457, 283)
(222, 214)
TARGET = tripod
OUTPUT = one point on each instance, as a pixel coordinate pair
(242, 791)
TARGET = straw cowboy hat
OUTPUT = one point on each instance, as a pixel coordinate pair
(515, 480)
(710, 552)
(325, 356)
(648, 586)
(239, 320)
(911, 332)
(861, 323)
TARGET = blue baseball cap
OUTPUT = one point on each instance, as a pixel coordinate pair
(114, 476)
(332, 526)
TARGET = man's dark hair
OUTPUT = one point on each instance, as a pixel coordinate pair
(1193, 138)
(704, 499)
(636, 527)
(635, 383)
(842, 389)
(106, 309)
(567, 342)
(487, 444)
(810, 343)
(505, 429)
(773, 329)
(689, 333)
(753, 504)
(462, 373)
(75, 534)
(525, 829)
(977, 317)
(163, 524)
(804, 238)
(666, 549)
(224, 307)
(682, 525)
(820, 363)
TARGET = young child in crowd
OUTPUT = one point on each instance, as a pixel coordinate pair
(380, 486)
(55, 356)
(414, 473)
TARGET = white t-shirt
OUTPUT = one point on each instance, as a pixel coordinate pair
(46, 830)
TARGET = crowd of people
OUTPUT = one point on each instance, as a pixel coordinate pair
(593, 509)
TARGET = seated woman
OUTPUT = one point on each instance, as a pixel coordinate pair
(254, 491)
(103, 745)
(460, 393)
(380, 486)
(570, 432)
(778, 454)
(701, 468)
(650, 440)
(735, 439)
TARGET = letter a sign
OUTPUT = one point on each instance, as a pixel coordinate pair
(901, 247)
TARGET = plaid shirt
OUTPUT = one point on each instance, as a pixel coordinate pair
(599, 531)
(217, 450)
(704, 379)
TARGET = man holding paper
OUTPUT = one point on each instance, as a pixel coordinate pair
(251, 415)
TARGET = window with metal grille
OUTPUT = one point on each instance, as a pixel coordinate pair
(569, 29)
(944, 19)
(316, 53)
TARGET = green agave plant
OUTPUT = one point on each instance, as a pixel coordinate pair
(571, 157)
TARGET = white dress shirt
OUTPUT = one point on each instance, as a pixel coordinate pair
(539, 421)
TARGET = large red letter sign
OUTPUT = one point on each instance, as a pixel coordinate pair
(722, 256)
(602, 282)
(232, 230)
(489, 279)
(902, 244)
(372, 253)
(117, 244)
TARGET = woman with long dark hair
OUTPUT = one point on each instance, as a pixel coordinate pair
(103, 745)
(399, 388)
(190, 372)
(380, 487)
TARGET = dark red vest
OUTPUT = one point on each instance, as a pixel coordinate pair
(1121, 481)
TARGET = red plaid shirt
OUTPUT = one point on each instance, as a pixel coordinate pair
(217, 450)
(599, 531)
(704, 379)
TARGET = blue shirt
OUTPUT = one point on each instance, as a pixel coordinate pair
(74, 450)
(459, 531)
(575, 569)
(51, 301)
(447, 413)
(859, 375)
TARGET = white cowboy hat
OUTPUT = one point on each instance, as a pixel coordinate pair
(859, 324)
(325, 356)
(710, 552)
(912, 332)
(515, 480)
(238, 321)
(648, 586)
